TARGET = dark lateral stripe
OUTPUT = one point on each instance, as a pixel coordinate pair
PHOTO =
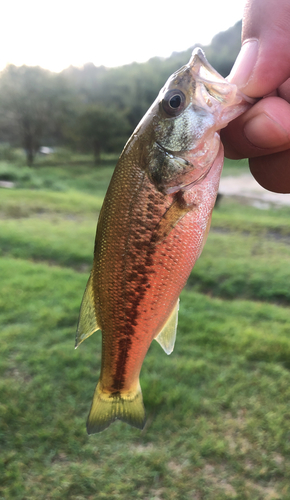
(139, 267)
(139, 278)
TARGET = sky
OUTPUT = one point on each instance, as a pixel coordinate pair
(58, 33)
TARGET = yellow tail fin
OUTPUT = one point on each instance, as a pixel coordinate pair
(108, 407)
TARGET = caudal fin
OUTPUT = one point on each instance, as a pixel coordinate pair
(108, 407)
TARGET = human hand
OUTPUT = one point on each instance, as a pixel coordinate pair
(262, 68)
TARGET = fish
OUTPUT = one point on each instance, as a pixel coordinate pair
(151, 230)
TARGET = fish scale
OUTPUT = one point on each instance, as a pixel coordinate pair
(151, 230)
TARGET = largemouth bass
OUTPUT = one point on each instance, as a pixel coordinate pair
(151, 230)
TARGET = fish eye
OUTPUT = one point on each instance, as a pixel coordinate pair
(173, 102)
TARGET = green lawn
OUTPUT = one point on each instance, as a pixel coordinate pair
(218, 408)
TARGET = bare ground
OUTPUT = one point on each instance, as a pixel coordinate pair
(248, 190)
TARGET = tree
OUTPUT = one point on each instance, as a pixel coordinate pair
(92, 107)
(224, 48)
(102, 129)
(30, 106)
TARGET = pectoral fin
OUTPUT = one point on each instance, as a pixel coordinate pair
(172, 216)
(87, 324)
(166, 338)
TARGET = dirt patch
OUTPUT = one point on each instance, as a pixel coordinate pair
(247, 189)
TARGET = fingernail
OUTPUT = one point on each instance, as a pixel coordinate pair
(264, 132)
(243, 68)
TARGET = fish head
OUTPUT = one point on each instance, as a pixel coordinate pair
(194, 104)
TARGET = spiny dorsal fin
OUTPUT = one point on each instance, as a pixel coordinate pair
(166, 337)
(87, 320)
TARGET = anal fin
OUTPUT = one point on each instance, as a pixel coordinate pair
(166, 337)
(87, 324)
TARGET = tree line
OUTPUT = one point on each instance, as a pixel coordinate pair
(91, 108)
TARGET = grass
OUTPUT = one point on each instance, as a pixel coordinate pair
(218, 408)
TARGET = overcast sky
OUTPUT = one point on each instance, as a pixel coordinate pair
(57, 33)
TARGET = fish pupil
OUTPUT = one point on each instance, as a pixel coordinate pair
(175, 101)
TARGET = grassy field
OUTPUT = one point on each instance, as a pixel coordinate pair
(218, 408)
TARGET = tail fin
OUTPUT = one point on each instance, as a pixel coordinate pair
(108, 407)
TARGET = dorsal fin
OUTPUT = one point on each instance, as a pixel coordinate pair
(166, 337)
(87, 324)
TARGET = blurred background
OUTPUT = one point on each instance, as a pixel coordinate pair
(75, 80)
(94, 108)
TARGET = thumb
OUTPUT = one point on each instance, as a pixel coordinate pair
(263, 63)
